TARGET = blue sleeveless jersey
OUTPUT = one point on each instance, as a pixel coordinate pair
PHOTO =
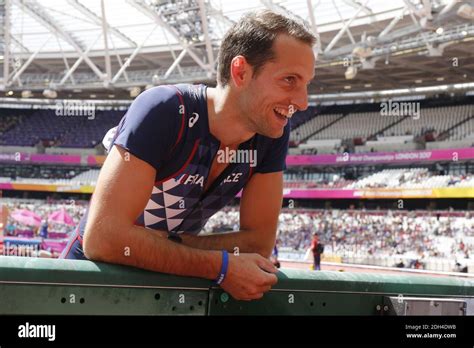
(168, 127)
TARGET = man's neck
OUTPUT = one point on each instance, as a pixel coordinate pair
(225, 121)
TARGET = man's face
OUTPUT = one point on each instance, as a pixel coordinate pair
(280, 87)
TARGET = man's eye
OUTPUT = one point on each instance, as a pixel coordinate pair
(290, 79)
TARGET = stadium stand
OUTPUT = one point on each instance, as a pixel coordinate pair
(465, 131)
(355, 125)
(313, 131)
(436, 120)
(36, 172)
(313, 125)
(45, 127)
(10, 118)
(440, 127)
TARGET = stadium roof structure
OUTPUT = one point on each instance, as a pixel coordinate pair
(110, 49)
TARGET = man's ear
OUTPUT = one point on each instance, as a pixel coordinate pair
(240, 71)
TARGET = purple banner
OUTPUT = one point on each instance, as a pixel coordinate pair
(315, 193)
(327, 194)
(291, 160)
(51, 159)
(382, 157)
(70, 159)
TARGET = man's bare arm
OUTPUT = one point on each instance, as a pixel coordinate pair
(259, 209)
(122, 192)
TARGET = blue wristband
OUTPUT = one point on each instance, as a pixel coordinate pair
(225, 264)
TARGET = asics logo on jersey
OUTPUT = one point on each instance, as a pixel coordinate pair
(193, 119)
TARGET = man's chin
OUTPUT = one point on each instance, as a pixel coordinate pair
(274, 134)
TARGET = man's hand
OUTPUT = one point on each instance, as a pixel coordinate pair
(249, 276)
(259, 210)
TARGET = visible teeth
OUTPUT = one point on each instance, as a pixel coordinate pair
(284, 112)
(281, 111)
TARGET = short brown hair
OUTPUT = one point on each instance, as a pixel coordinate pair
(253, 36)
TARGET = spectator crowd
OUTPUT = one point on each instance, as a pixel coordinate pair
(418, 234)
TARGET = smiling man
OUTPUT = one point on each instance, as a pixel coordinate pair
(166, 174)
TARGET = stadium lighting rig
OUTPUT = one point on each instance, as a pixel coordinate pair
(362, 52)
(50, 94)
(134, 91)
(26, 94)
(351, 72)
(466, 11)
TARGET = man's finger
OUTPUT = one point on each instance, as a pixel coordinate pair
(265, 288)
(256, 296)
(267, 265)
(270, 279)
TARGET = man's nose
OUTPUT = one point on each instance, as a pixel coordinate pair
(300, 99)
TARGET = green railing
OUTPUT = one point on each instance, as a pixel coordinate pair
(51, 286)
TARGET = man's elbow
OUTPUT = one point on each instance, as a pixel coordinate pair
(265, 253)
(255, 241)
(264, 250)
(96, 247)
(92, 252)
(265, 244)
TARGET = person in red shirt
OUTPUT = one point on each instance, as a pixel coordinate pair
(316, 249)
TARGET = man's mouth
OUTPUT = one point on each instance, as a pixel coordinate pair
(282, 113)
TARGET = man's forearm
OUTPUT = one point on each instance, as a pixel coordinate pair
(147, 249)
(245, 241)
